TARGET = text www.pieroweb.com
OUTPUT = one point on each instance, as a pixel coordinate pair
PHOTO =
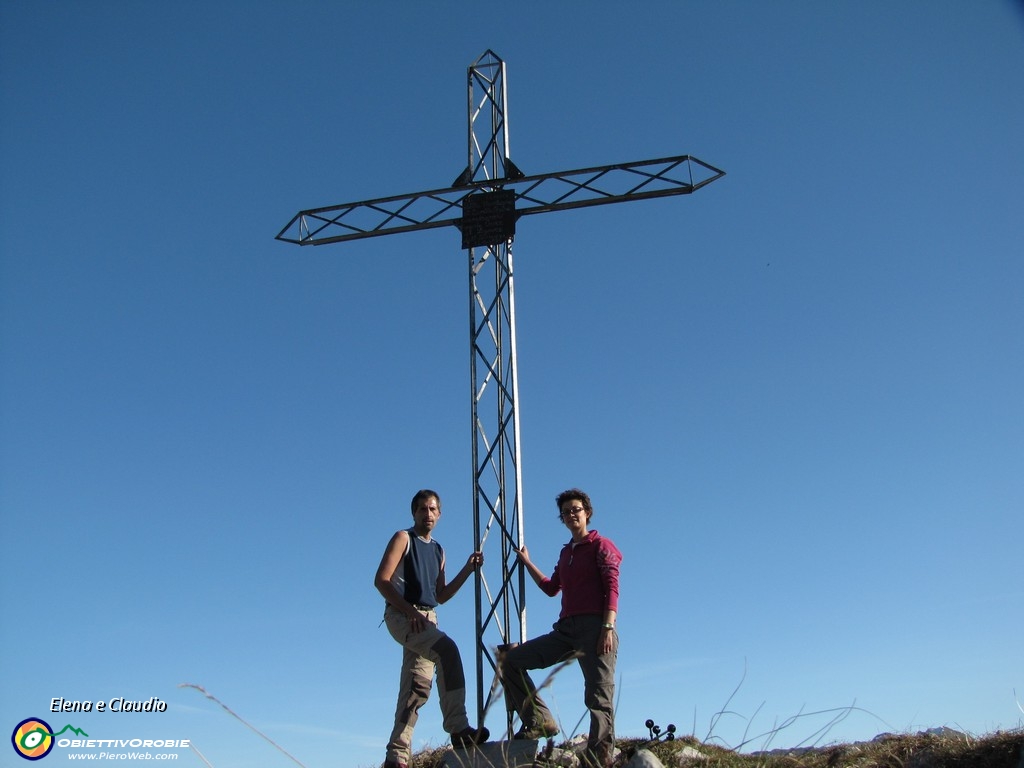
(122, 756)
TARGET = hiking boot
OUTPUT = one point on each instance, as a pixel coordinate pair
(543, 730)
(470, 737)
(601, 757)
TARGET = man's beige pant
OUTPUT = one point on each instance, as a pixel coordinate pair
(421, 653)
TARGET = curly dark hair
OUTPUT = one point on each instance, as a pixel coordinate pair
(578, 495)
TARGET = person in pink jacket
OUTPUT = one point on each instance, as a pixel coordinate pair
(587, 575)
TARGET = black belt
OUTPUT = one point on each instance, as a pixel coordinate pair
(417, 606)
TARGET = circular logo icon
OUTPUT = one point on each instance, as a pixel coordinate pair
(33, 738)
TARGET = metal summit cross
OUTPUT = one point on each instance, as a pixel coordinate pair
(484, 203)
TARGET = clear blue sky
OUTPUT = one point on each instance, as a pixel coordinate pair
(794, 396)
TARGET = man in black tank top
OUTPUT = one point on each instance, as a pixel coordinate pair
(411, 579)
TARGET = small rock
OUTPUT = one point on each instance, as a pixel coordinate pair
(566, 758)
(577, 743)
(644, 758)
(944, 732)
(690, 754)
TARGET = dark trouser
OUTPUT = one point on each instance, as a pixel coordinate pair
(572, 635)
(422, 652)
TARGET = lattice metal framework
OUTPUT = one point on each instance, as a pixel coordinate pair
(484, 203)
(599, 185)
(497, 473)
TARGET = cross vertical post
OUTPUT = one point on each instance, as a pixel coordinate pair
(497, 469)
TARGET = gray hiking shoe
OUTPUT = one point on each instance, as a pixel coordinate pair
(543, 730)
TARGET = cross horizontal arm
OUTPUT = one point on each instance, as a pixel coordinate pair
(581, 188)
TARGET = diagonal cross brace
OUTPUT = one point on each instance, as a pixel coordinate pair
(600, 185)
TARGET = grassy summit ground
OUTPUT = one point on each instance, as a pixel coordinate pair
(923, 750)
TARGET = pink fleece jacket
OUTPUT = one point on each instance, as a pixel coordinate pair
(587, 574)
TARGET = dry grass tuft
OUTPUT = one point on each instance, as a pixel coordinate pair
(429, 758)
(923, 750)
